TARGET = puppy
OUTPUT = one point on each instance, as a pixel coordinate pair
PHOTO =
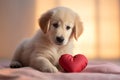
(59, 26)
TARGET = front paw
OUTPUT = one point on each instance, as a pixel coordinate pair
(15, 64)
(53, 70)
(50, 70)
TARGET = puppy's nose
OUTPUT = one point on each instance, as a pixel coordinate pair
(60, 39)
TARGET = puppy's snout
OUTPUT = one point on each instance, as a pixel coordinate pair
(60, 39)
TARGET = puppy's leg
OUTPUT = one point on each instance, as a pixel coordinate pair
(15, 63)
(43, 64)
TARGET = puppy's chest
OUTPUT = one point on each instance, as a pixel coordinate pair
(57, 54)
(64, 51)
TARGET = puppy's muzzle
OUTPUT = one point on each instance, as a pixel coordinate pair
(60, 39)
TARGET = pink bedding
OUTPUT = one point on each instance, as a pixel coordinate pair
(94, 71)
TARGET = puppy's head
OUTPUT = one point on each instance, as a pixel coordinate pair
(61, 24)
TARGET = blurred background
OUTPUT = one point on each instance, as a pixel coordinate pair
(101, 19)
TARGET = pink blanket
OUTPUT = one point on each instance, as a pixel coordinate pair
(94, 71)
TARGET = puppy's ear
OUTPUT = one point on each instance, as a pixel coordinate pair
(78, 28)
(44, 21)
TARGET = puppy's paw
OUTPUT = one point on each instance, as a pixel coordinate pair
(15, 64)
(53, 70)
(50, 70)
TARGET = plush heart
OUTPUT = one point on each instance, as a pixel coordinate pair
(73, 64)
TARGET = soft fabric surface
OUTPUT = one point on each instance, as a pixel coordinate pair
(94, 71)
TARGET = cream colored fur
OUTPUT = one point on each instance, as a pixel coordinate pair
(42, 52)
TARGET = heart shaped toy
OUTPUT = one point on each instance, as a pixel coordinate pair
(73, 63)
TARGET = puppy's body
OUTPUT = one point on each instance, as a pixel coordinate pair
(55, 38)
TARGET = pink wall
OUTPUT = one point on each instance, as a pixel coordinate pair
(16, 23)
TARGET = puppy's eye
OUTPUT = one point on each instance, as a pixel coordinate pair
(56, 25)
(68, 27)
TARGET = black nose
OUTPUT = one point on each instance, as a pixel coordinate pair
(60, 39)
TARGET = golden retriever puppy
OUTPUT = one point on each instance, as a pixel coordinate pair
(59, 26)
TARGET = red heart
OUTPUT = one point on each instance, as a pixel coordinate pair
(73, 64)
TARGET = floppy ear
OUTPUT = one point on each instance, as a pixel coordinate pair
(78, 28)
(44, 21)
